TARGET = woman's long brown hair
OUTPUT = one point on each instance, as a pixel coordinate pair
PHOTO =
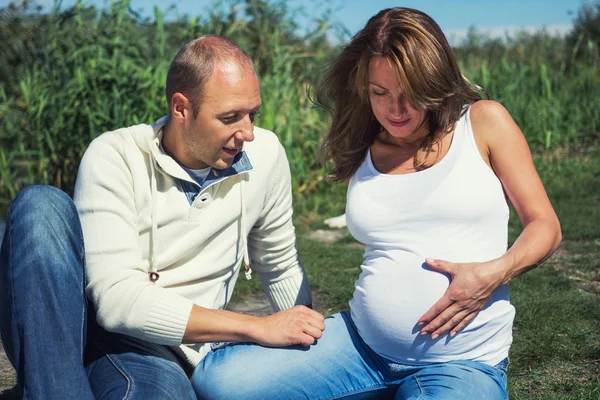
(427, 72)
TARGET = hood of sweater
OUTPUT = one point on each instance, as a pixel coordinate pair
(149, 141)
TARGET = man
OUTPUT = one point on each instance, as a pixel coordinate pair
(168, 212)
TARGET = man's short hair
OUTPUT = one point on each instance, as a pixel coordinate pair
(194, 63)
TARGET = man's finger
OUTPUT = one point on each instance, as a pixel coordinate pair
(316, 333)
(313, 317)
(319, 324)
(307, 340)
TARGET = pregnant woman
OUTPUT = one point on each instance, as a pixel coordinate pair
(430, 168)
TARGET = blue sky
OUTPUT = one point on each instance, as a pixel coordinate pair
(454, 16)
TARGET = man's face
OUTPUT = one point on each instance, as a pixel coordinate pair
(225, 119)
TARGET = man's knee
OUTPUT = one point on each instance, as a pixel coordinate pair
(40, 207)
(138, 376)
(42, 227)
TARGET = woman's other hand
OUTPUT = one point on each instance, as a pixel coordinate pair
(471, 286)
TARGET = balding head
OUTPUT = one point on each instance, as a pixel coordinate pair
(194, 63)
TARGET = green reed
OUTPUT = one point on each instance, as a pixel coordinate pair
(70, 75)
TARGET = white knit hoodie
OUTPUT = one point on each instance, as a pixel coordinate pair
(137, 219)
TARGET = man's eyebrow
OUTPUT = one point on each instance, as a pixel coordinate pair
(239, 111)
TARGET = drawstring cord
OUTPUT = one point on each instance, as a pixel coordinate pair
(153, 264)
(153, 274)
(247, 268)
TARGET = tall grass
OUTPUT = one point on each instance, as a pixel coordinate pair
(70, 75)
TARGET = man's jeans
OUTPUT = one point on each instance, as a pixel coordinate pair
(339, 366)
(43, 315)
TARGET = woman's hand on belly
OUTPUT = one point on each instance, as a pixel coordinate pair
(471, 286)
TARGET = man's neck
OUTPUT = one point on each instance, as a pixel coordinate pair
(169, 138)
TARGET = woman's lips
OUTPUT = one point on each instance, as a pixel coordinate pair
(399, 124)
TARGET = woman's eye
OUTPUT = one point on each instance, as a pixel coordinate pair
(376, 93)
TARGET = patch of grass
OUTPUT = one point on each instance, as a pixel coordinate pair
(572, 180)
(556, 348)
(332, 271)
(244, 287)
(573, 184)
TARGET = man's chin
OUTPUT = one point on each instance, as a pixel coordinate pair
(223, 164)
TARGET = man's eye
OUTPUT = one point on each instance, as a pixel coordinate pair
(230, 119)
(253, 115)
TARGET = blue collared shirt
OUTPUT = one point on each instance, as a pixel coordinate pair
(241, 163)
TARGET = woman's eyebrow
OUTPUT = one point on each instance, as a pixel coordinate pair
(377, 84)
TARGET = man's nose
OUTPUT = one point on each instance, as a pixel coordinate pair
(246, 130)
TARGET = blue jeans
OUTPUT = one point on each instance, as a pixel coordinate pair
(57, 351)
(340, 365)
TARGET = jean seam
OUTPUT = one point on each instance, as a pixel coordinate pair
(503, 370)
(344, 394)
(84, 308)
(10, 278)
(420, 387)
(115, 362)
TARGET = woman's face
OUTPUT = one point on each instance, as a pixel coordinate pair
(390, 107)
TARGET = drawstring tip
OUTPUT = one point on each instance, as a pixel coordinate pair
(248, 272)
(154, 276)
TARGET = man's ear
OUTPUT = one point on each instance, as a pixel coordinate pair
(181, 108)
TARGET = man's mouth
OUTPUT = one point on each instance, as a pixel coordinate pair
(231, 151)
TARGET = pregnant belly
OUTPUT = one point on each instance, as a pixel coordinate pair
(391, 295)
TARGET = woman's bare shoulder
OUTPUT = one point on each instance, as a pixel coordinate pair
(492, 123)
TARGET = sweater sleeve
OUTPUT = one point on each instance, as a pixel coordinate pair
(272, 242)
(126, 301)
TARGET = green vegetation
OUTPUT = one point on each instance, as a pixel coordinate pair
(68, 76)
(72, 74)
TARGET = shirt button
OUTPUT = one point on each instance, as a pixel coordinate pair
(204, 199)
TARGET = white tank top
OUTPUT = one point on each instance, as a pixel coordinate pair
(456, 211)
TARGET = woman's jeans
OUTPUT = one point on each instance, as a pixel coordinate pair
(43, 315)
(340, 365)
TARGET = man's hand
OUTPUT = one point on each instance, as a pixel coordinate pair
(297, 326)
(471, 286)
